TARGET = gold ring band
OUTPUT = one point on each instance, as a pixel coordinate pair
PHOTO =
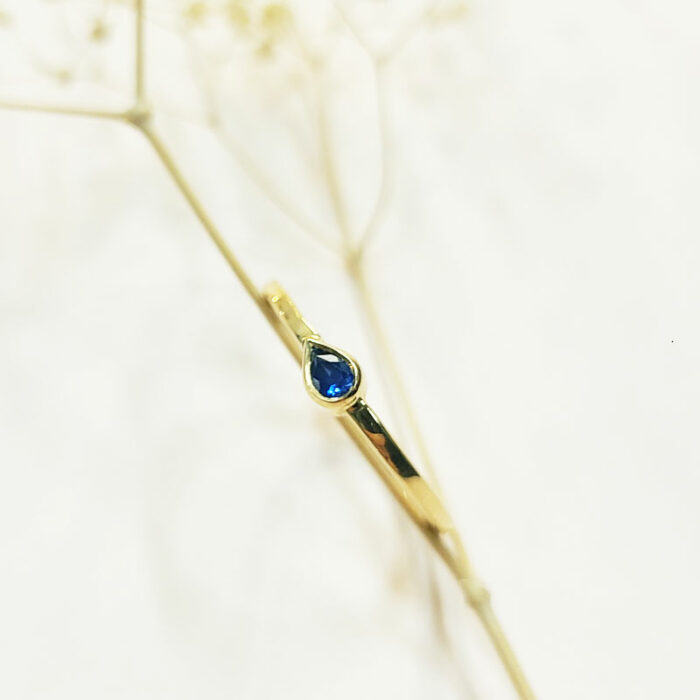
(334, 380)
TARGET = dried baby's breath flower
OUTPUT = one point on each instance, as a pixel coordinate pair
(99, 31)
(238, 14)
(276, 19)
(63, 75)
(274, 24)
(196, 12)
(451, 12)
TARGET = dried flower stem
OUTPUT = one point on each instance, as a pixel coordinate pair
(139, 54)
(475, 593)
(260, 179)
(59, 109)
(140, 116)
(381, 200)
(188, 193)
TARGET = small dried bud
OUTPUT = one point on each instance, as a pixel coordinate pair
(196, 12)
(451, 12)
(99, 31)
(238, 15)
(276, 19)
(63, 75)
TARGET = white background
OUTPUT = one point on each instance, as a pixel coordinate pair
(177, 520)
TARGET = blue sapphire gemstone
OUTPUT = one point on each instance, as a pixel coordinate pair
(331, 374)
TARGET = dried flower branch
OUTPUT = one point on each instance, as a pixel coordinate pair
(275, 23)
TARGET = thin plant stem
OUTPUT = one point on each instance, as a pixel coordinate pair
(475, 593)
(356, 258)
(380, 202)
(200, 212)
(505, 651)
(60, 109)
(329, 169)
(139, 115)
(259, 178)
(279, 199)
(376, 327)
(354, 266)
(139, 55)
(378, 68)
(478, 598)
(406, 33)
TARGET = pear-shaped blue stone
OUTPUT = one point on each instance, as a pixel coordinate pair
(331, 374)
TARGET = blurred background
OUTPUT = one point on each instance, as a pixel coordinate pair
(177, 520)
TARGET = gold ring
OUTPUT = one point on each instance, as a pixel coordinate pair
(334, 380)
